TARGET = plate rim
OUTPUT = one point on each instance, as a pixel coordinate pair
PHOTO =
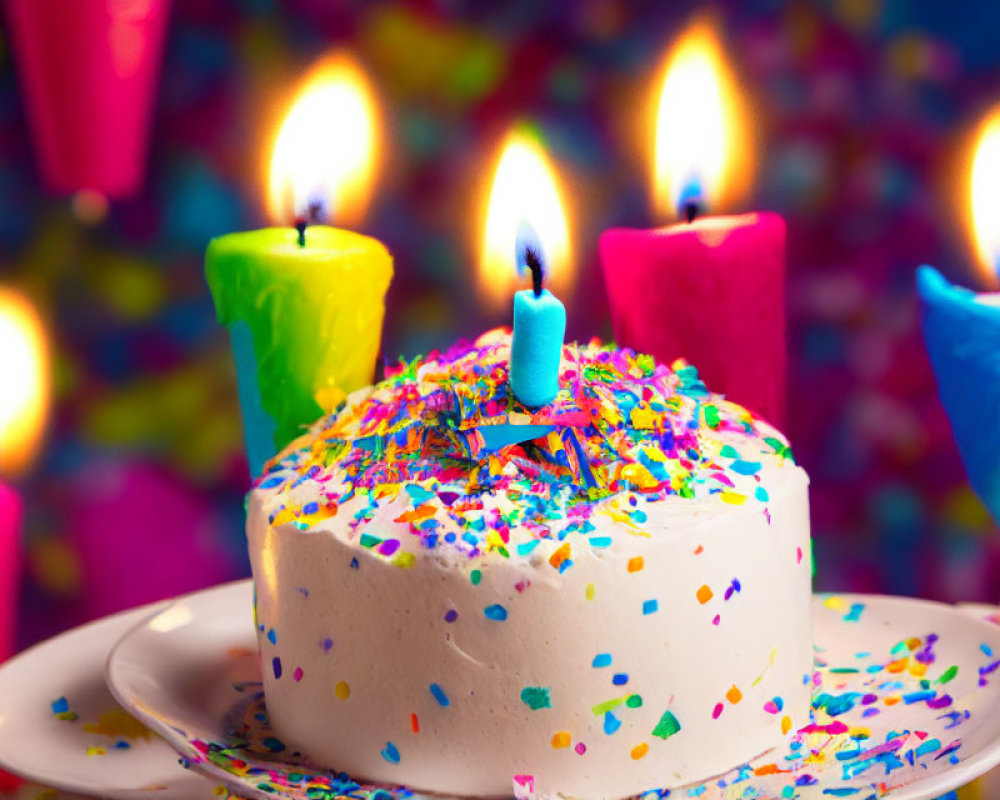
(126, 620)
(980, 762)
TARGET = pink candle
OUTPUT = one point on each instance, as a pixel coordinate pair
(10, 567)
(711, 289)
(88, 71)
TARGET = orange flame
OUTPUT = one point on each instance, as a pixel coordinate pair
(323, 161)
(525, 191)
(702, 143)
(24, 389)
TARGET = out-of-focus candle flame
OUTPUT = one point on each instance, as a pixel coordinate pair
(984, 196)
(525, 197)
(24, 382)
(702, 146)
(323, 161)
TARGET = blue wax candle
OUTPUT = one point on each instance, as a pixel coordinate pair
(962, 335)
(539, 329)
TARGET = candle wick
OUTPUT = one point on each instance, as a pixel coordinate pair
(312, 217)
(535, 265)
(691, 210)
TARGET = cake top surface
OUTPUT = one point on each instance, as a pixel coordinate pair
(443, 444)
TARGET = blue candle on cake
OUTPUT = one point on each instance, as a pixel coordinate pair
(539, 330)
(961, 330)
(526, 211)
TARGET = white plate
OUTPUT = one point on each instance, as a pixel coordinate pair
(185, 670)
(40, 747)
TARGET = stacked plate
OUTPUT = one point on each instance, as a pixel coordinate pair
(164, 702)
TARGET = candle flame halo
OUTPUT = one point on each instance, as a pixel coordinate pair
(25, 382)
(324, 157)
(702, 147)
(984, 197)
(525, 203)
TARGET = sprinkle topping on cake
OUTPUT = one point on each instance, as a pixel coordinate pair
(444, 441)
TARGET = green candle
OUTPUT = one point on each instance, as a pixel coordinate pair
(305, 321)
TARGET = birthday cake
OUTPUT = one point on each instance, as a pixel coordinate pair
(598, 598)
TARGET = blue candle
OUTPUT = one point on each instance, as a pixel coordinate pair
(962, 334)
(539, 330)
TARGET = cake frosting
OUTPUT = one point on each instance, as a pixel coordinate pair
(601, 597)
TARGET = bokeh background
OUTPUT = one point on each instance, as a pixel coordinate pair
(863, 107)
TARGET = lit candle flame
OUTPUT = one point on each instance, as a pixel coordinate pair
(984, 196)
(24, 388)
(323, 162)
(525, 210)
(702, 148)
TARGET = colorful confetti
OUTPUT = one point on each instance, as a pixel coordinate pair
(408, 439)
(536, 697)
(838, 752)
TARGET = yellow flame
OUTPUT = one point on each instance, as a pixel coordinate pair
(525, 190)
(984, 195)
(326, 149)
(24, 382)
(702, 133)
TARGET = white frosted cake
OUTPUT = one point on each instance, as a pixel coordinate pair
(613, 600)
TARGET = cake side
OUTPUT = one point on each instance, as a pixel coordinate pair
(654, 662)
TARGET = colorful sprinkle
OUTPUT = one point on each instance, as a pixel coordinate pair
(495, 612)
(639, 751)
(650, 606)
(607, 705)
(948, 675)
(561, 740)
(667, 726)
(704, 594)
(438, 693)
(560, 555)
(62, 710)
(601, 660)
(342, 690)
(536, 697)
(524, 787)
(774, 706)
(390, 753)
(636, 564)
(611, 723)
